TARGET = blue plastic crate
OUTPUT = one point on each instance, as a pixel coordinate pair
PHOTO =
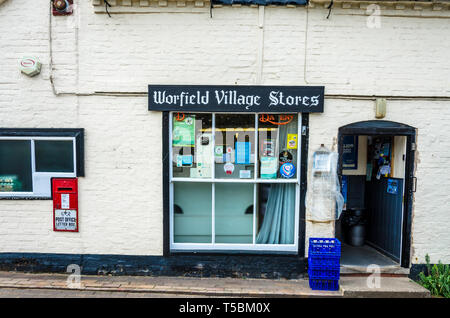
(324, 247)
(324, 263)
(323, 284)
(328, 261)
(324, 272)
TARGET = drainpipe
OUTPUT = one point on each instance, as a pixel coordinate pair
(259, 70)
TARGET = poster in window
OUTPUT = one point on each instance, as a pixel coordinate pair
(242, 153)
(184, 160)
(10, 183)
(183, 134)
(350, 152)
(291, 141)
(269, 167)
(268, 148)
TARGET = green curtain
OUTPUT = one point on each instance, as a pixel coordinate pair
(278, 224)
(279, 218)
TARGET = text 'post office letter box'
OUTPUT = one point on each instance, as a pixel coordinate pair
(65, 204)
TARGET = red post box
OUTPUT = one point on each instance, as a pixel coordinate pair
(65, 204)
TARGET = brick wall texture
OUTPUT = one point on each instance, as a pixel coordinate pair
(121, 195)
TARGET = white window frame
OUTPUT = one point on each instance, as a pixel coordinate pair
(40, 178)
(228, 247)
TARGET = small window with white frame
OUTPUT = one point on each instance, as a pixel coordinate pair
(29, 159)
(234, 182)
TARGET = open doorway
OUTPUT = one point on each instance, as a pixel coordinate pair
(376, 171)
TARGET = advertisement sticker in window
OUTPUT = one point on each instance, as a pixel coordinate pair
(183, 134)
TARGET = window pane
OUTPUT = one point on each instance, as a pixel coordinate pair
(192, 212)
(192, 145)
(234, 212)
(15, 166)
(234, 150)
(278, 144)
(276, 213)
(54, 155)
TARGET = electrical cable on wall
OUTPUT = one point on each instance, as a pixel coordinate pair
(210, 8)
(106, 7)
(329, 8)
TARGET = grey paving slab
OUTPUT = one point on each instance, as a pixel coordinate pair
(41, 293)
(383, 287)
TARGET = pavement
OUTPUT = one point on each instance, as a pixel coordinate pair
(19, 284)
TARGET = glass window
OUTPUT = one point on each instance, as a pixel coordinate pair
(192, 145)
(27, 164)
(276, 213)
(54, 156)
(234, 212)
(15, 166)
(192, 212)
(278, 145)
(234, 149)
(234, 181)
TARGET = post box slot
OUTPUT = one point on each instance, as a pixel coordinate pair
(65, 189)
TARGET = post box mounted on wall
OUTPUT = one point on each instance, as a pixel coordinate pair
(65, 204)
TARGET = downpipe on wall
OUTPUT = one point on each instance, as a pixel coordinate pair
(260, 62)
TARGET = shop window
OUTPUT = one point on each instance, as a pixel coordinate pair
(233, 222)
(29, 159)
(54, 155)
(192, 212)
(234, 181)
(15, 166)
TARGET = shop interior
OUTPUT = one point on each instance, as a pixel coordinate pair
(372, 182)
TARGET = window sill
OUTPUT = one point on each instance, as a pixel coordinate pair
(25, 198)
(233, 252)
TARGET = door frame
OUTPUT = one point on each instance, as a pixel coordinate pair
(383, 127)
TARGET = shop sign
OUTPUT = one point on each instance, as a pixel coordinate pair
(282, 119)
(263, 99)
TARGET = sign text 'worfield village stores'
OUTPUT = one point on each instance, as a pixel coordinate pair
(296, 99)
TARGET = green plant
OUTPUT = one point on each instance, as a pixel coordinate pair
(437, 280)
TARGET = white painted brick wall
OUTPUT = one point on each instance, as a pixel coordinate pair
(121, 196)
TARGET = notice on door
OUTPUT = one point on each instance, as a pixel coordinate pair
(65, 220)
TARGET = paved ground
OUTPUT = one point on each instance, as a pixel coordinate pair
(18, 284)
(57, 293)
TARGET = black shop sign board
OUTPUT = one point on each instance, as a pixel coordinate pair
(229, 98)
